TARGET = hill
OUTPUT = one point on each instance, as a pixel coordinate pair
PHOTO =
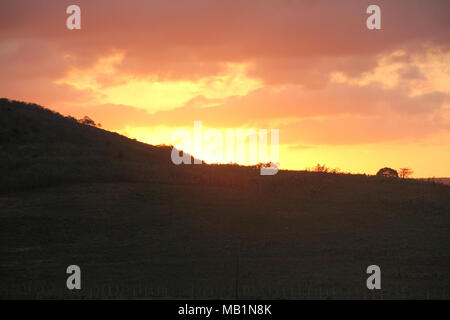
(141, 227)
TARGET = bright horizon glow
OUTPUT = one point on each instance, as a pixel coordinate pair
(347, 159)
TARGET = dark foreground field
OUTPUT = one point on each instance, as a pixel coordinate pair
(140, 227)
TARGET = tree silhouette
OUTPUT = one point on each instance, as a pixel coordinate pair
(405, 172)
(89, 122)
(387, 172)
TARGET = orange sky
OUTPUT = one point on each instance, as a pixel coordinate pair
(340, 94)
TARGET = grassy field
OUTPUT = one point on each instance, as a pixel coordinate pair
(140, 227)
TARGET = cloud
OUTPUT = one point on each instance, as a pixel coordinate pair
(311, 68)
(359, 130)
(193, 39)
(265, 105)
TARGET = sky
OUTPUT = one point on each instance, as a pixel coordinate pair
(339, 94)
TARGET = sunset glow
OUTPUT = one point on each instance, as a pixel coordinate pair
(340, 94)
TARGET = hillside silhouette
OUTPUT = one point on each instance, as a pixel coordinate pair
(141, 227)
